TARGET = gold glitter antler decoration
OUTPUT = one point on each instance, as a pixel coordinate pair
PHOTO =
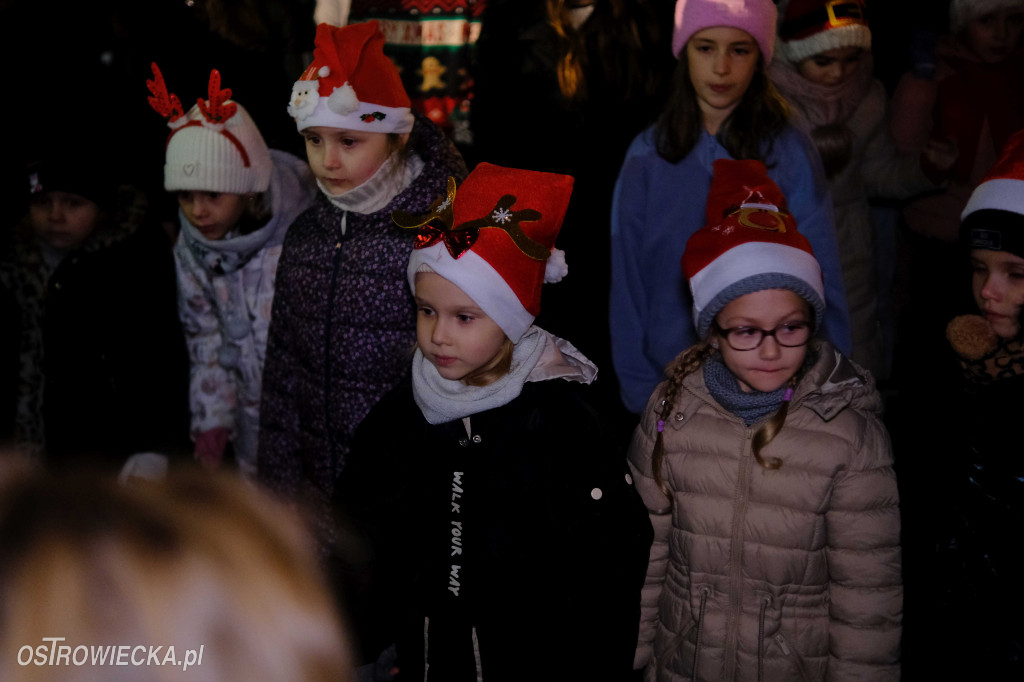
(461, 238)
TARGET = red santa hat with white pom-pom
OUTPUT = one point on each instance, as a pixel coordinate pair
(494, 238)
(351, 84)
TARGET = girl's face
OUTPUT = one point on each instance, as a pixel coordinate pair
(998, 286)
(452, 332)
(994, 36)
(769, 366)
(344, 159)
(722, 63)
(831, 67)
(212, 213)
(63, 220)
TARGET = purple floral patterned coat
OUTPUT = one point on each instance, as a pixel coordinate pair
(342, 330)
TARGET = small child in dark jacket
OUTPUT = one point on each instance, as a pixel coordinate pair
(504, 538)
(103, 370)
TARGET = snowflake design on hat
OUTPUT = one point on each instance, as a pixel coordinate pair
(502, 215)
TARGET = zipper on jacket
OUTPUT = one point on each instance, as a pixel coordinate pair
(426, 647)
(476, 657)
(332, 445)
(704, 592)
(797, 659)
(765, 601)
(736, 558)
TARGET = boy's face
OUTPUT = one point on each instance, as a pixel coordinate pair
(344, 159)
(452, 332)
(998, 286)
(994, 36)
(212, 213)
(831, 67)
(63, 220)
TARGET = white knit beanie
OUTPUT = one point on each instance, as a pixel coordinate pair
(215, 147)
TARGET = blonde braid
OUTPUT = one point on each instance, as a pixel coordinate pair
(685, 363)
(771, 428)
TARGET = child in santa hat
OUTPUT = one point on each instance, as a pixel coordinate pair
(824, 68)
(344, 321)
(508, 542)
(973, 502)
(237, 199)
(766, 471)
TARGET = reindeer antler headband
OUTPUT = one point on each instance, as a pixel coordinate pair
(215, 111)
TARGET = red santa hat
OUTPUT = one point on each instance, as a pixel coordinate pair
(494, 238)
(1002, 190)
(215, 147)
(749, 243)
(810, 27)
(351, 84)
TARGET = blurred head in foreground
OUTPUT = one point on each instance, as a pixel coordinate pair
(198, 562)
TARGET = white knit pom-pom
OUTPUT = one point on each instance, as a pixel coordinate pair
(324, 71)
(556, 268)
(343, 100)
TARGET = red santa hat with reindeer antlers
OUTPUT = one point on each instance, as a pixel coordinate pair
(215, 147)
(494, 238)
(351, 84)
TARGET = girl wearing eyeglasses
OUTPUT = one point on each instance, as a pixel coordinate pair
(766, 471)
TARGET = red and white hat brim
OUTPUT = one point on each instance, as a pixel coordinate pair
(1004, 194)
(480, 281)
(395, 119)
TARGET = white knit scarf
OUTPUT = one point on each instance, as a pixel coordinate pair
(538, 356)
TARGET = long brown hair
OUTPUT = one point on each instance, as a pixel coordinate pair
(616, 41)
(748, 132)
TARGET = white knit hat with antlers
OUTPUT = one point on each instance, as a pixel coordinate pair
(215, 147)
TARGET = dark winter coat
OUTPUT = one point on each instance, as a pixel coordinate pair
(101, 345)
(342, 330)
(517, 551)
(958, 441)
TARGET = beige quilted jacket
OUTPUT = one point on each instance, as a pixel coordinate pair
(792, 574)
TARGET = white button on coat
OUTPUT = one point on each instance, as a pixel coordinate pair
(596, 493)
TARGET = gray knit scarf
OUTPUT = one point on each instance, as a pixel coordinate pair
(724, 388)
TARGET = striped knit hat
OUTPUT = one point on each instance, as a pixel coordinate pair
(749, 243)
(810, 27)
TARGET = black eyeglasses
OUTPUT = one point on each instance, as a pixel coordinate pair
(788, 335)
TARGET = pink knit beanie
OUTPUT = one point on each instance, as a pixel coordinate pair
(756, 17)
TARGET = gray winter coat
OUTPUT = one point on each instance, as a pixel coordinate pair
(796, 571)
